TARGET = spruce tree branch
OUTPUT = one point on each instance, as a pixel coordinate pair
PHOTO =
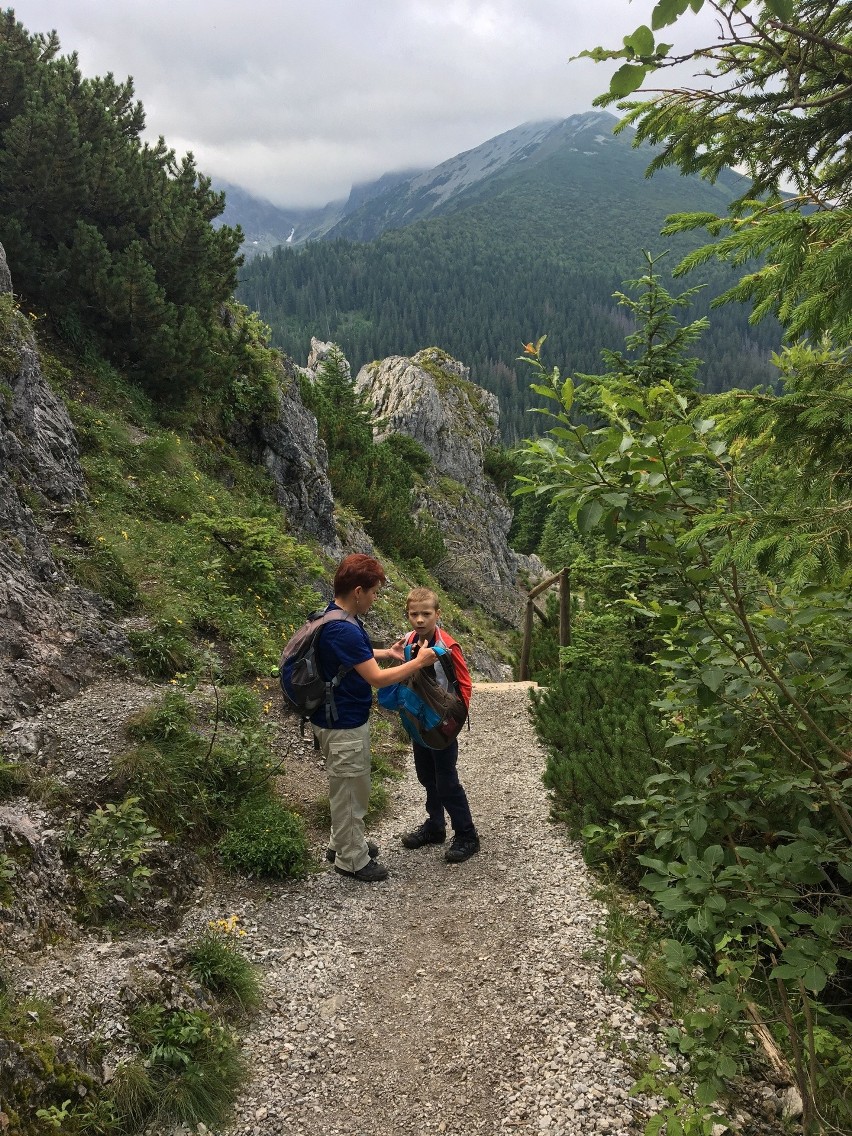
(833, 46)
(773, 710)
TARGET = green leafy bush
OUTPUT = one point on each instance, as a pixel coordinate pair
(110, 854)
(189, 782)
(737, 509)
(162, 651)
(266, 839)
(239, 706)
(101, 569)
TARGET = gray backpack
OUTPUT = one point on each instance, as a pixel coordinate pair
(305, 687)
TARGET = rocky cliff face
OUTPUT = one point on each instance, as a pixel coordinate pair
(430, 398)
(54, 636)
(290, 448)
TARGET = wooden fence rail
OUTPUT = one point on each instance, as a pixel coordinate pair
(563, 578)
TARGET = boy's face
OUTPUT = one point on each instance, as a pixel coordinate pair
(423, 616)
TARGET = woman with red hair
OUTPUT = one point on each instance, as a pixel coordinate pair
(345, 743)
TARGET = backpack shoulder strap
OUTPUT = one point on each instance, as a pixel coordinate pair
(446, 660)
(335, 613)
(445, 656)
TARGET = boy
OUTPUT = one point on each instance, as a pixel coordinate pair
(436, 768)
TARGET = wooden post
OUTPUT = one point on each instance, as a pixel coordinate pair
(524, 671)
(565, 608)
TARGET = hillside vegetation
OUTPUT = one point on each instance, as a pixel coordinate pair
(710, 537)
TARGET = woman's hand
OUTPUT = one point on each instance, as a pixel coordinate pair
(397, 651)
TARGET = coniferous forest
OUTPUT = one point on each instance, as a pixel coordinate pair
(540, 251)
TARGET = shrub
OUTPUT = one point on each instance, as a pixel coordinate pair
(193, 1066)
(410, 452)
(188, 782)
(164, 719)
(266, 840)
(239, 706)
(111, 852)
(216, 964)
(602, 738)
(162, 651)
(101, 570)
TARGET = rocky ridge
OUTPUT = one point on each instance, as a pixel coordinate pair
(431, 398)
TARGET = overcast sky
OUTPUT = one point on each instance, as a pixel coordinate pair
(298, 99)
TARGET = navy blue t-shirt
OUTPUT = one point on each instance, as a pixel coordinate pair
(345, 643)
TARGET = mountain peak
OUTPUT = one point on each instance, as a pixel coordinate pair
(397, 199)
(431, 192)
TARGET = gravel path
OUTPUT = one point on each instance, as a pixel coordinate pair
(451, 998)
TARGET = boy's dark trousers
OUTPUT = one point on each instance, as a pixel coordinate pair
(436, 772)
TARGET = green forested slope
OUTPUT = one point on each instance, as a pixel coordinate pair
(536, 251)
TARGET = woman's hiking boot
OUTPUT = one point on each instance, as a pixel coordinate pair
(423, 834)
(372, 872)
(372, 848)
(462, 848)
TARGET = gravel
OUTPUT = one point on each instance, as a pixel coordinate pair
(450, 998)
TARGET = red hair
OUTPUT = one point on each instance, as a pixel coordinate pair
(356, 571)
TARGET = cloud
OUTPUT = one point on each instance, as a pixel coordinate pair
(298, 99)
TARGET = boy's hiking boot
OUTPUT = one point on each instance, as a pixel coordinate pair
(372, 872)
(462, 848)
(372, 848)
(423, 834)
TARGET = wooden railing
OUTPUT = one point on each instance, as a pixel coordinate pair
(564, 580)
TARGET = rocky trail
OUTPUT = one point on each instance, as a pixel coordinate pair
(450, 998)
(456, 999)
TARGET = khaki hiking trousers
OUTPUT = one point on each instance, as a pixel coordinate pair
(347, 763)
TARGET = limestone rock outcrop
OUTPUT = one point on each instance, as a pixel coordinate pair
(290, 448)
(430, 398)
(54, 636)
(297, 461)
